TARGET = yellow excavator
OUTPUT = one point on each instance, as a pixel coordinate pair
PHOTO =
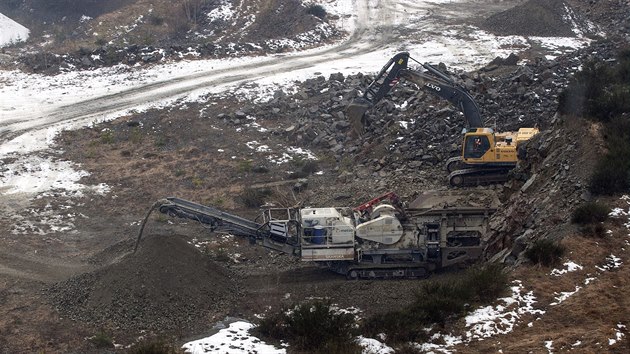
(486, 156)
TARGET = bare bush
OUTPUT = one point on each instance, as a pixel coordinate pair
(193, 9)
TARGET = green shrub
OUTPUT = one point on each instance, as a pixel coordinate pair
(222, 256)
(155, 20)
(244, 166)
(102, 340)
(309, 166)
(135, 135)
(595, 92)
(601, 92)
(260, 169)
(590, 213)
(272, 326)
(486, 282)
(306, 168)
(437, 302)
(612, 172)
(160, 141)
(545, 252)
(314, 326)
(440, 300)
(593, 230)
(398, 326)
(197, 182)
(107, 137)
(611, 176)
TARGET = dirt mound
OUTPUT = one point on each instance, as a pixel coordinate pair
(167, 284)
(534, 18)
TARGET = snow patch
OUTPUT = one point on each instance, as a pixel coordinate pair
(549, 346)
(500, 319)
(234, 340)
(223, 12)
(489, 321)
(618, 334)
(570, 267)
(11, 31)
(36, 174)
(373, 346)
(564, 295)
(611, 262)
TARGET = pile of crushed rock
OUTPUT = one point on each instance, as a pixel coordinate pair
(167, 284)
(537, 18)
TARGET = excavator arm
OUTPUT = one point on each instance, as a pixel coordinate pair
(432, 80)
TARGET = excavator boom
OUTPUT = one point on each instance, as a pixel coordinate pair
(432, 80)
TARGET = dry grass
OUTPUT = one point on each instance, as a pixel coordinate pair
(130, 24)
(589, 317)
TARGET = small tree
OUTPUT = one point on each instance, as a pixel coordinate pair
(590, 213)
(545, 252)
(315, 326)
(192, 9)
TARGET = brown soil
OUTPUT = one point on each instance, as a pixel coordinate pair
(589, 317)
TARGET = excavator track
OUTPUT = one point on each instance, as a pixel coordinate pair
(478, 176)
(454, 163)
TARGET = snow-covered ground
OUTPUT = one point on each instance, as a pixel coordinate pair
(11, 31)
(234, 339)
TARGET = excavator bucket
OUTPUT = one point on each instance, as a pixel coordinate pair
(355, 112)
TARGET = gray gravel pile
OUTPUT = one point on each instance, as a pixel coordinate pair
(536, 18)
(167, 284)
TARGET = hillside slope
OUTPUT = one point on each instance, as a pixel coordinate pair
(72, 33)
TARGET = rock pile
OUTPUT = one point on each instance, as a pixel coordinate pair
(559, 164)
(413, 128)
(167, 284)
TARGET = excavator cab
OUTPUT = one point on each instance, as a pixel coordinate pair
(475, 146)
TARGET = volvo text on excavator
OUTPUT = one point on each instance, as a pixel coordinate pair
(486, 156)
